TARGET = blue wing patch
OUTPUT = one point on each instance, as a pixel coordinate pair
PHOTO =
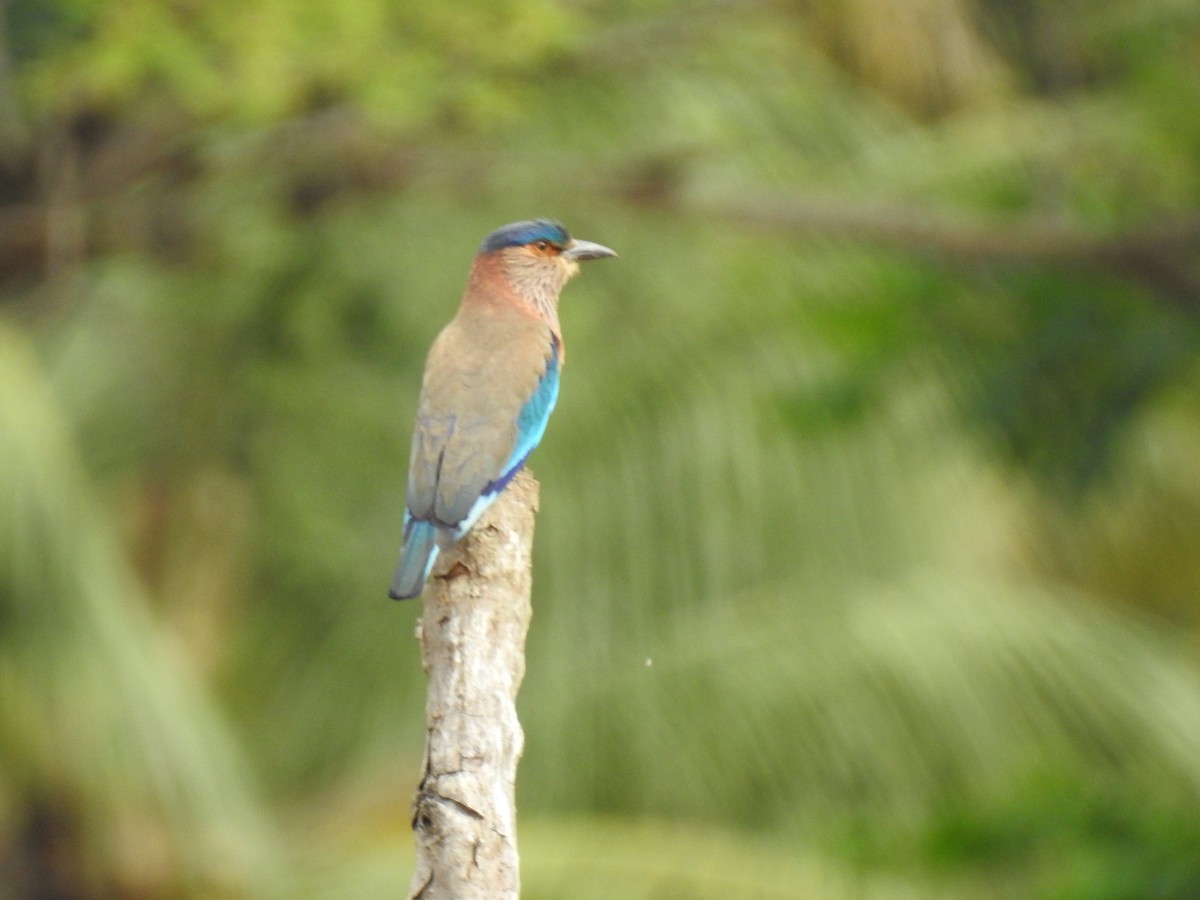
(531, 425)
(531, 422)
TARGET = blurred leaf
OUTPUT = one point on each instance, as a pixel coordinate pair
(895, 278)
(99, 708)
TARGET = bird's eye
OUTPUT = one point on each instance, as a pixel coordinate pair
(543, 246)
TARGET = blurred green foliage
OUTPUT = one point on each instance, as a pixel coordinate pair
(867, 562)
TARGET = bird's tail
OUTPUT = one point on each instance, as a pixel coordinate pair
(416, 560)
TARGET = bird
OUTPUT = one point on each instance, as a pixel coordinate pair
(490, 383)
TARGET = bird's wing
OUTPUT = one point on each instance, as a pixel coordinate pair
(490, 383)
(531, 421)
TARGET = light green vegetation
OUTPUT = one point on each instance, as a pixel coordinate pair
(868, 562)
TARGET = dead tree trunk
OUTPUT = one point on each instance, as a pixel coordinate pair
(472, 635)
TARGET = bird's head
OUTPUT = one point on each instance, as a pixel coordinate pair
(539, 256)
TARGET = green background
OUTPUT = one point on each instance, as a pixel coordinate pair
(868, 562)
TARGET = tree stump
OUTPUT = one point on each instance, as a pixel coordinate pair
(472, 634)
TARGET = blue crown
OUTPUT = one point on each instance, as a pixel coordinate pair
(520, 233)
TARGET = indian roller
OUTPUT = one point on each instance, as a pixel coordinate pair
(490, 383)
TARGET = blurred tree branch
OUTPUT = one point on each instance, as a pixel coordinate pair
(336, 148)
(1159, 256)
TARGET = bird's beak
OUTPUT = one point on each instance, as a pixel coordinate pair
(581, 250)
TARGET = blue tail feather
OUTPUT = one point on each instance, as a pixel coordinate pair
(416, 560)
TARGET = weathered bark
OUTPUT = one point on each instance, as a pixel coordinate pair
(472, 635)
